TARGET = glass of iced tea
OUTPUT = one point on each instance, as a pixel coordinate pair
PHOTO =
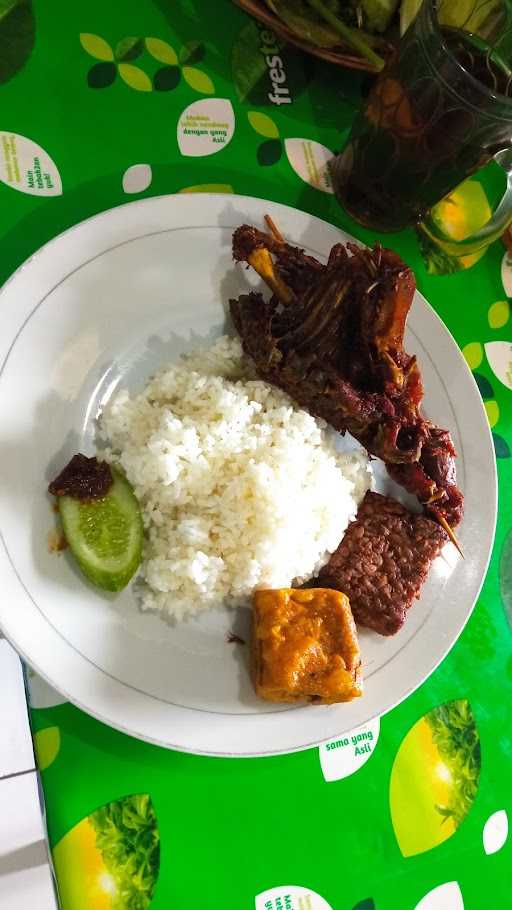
(439, 111)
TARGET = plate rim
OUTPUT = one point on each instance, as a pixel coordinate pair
(38, 257)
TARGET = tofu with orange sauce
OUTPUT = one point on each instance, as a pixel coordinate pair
(304, 646)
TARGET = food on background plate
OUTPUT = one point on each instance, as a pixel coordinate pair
(304, 647)
(382, 561)
(101, 521)
(239, 488)
(331, 337)
(225, 462)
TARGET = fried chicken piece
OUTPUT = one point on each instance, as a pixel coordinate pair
(383, 561)
(304, 647)
(333, 340)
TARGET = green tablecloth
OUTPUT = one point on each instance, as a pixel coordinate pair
(108, 102)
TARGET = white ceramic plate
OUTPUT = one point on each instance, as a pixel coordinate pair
(103, 306)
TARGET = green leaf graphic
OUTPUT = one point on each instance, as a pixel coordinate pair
(101, 75)
(135, 77)
(129, 49)
(121, 842)
(47, 746)
(127, 836)
(473, 354)
(192, 52)
(208, 188)
(484, 386)
(17, 36)
(269, 152)
(166, 78)
(499, 314)
(198, 80)
(251, 75)
(501, 446)
(435, 777)
(499, 358)
(368, 904)
(97, 47)
(161, 51)
(263, 124)
(248, 66)
(493, 412)
(447, 896)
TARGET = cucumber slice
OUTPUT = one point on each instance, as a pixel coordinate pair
(105, 535)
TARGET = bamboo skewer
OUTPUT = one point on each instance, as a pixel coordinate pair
(261, 261)
(444, 524)
(276, 233)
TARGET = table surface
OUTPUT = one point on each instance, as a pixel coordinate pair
(412, 811)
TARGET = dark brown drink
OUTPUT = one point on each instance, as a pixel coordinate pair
(440, 110)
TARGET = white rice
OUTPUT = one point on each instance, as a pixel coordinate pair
(239, 488)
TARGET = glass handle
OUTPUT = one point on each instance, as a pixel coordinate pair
(490, 231)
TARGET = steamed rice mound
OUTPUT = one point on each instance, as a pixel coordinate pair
(239, 488)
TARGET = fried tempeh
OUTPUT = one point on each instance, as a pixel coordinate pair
(383, 561)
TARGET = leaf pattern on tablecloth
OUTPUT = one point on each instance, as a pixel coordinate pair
(435, 776)
(445, 897)
(498, 314)
(506, 273)
(165, 78)
(161, 51)
(493, 412)
(192, 52)
(205, 127)
(473, 354)
(501, 446)
(484, 386)
(46, 746)
(96, 47)
(290, 897)
(269, 152)
(111, 858)
(101, 75)
(346, 754)
(499, 357)
(198, 80)
(26, 167)
(128, 49)
(135, 77)
(137, 178)
(495, 832)
(208, 188)
(17, 36)
(263, 124)
(310, 161)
